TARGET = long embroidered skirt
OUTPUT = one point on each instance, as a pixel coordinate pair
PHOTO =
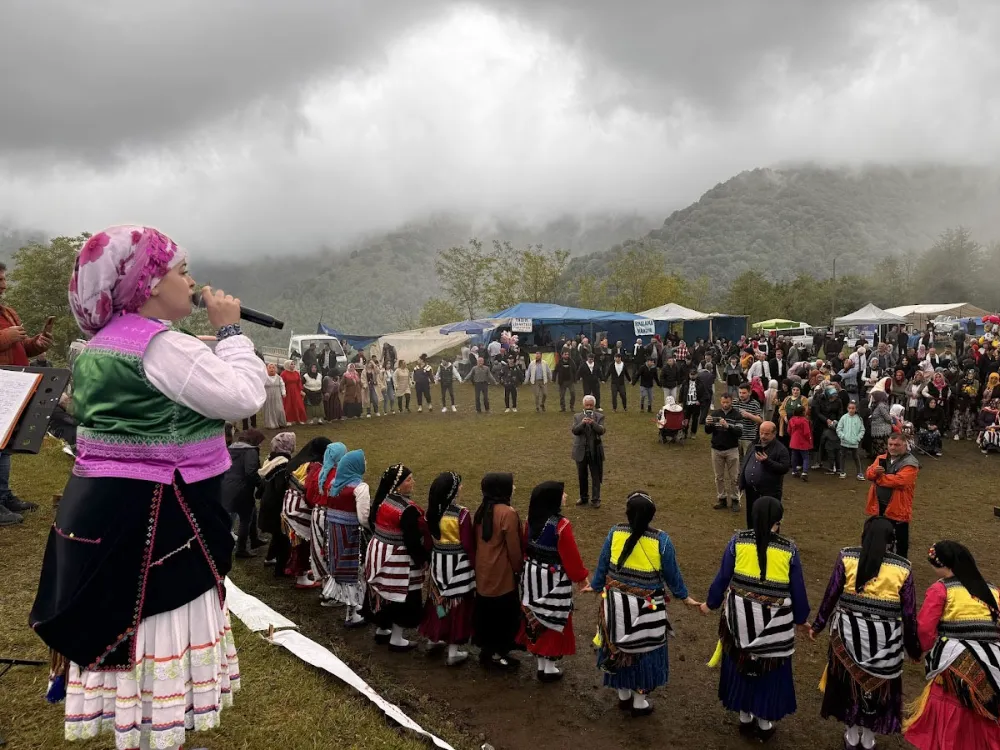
(186, 673)
(770, 696)
(844, 699)
(343, 537)
(456, 625)
(318, 553)
(646, 672)
(945, 724)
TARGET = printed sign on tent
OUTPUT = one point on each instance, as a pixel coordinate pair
(520, 325)
(644, 327)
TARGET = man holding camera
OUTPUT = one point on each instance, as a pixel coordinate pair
(588, 450)
(893, 479)
(763, 471)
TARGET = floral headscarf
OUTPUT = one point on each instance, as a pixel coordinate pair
(283, 442)
(116, 271)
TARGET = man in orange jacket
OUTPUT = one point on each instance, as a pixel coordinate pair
(893, 479)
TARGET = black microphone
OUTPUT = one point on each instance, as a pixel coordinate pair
(246, 313)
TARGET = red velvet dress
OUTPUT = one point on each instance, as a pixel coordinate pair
(295, 407)
(552, 644)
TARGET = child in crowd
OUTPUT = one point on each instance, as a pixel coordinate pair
(800, 440)
(850, 432)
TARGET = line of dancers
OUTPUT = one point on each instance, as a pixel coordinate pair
(504, 586)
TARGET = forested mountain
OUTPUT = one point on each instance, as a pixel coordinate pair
(786, 222)
(380, 284)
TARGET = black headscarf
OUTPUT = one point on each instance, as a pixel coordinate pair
(546, 501)
(392, 477)
(767, 511)
(442, 494)
(311, 451)
(878, 535)
(946, 554)
(497, 488)
(639, 510)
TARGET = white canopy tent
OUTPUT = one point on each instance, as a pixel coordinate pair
(409, 345)
(673, 312)
(918, 315)
(869, 315)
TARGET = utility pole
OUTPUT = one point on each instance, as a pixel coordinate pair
(833, 294)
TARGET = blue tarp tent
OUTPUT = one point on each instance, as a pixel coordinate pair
(550, 322)
(356, 341)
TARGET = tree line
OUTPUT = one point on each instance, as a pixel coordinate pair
(479, 281)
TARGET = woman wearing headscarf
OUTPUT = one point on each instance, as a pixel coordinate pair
(871, 603)
(296, 512)
(353, 392)
(317, 496)
(636, 567)
(131, 598)
(274, 482)
(274, 409)
(452, 591)
(396, 560)
(552, 565)
(499, 561)
(333, 410)
(963, 424)
(346, 511)
(881, 422)
(930, 424)
(295, 405)
(958, 628)
(788, 407)
(760, 580)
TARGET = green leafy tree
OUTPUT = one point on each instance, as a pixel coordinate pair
(464, 273)
(438, 312)
(503, 287)
(541, 271)
(950, 270)
(593, 294)
(39, 280)
(751, 294)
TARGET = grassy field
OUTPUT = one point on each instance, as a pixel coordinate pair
(285, 703)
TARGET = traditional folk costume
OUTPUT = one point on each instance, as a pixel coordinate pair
(960, 707)
(451, 596)
(295, 406)
(396, 561)
(636, 567)
(552, 565)
(499, 561)
(870, 603)
(274, 482)
(317, 487)
(759, 583)
(346, 512)
(131, 594)
(296, 515)
(274, 408)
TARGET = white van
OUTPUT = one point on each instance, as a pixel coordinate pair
(799, 334)
(299, 343)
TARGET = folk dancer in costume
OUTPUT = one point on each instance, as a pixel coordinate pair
(274, 482)
(346, 512)
(760, 580)
(317, 486)
(131, 597)
(296, 516)
(872, 602)
(499, 561)
(958, 627)
(636, 566)
(452, 592)
(552, 565)
(396, 561)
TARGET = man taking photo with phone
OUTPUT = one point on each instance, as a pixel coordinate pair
(16, 348)
(764, 467)
(893, 479)
(588, 451)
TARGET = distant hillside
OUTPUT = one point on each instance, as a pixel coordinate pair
(789, 221)
(379, 285)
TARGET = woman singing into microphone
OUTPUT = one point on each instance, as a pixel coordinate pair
(131, 598)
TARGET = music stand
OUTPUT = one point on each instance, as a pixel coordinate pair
(28, 436)
(34, 422)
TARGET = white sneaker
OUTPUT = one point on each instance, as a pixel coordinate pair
(454, 408)
(419, 409)
(369, 416)
(957, 437)
(515, 410)
(601, 410)
(506, 411)
(444, 409)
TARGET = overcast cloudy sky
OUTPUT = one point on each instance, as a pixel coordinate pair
(251, 125)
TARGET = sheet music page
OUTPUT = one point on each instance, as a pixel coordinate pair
(16, 389)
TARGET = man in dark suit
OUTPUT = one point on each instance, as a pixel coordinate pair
(588, 451)
(778, 367)
(590, 376)
(763, 471)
